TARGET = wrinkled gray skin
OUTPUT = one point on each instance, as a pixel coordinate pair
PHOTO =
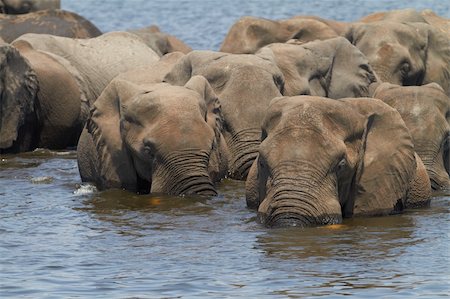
(154, 138)
(26, 6)
(246, 83)
(321, 160)
(426, 112)
(409, 53)
(49, 83)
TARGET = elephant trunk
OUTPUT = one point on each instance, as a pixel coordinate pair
(302, 200)
(243, 147)
(183, 173)
(433, 157)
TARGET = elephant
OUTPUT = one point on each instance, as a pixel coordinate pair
(322, 160)
(53, 21)
(249, 34)
(94, 61)
(162, 43)
(411, 15)
(154, 137)
(426, 112)
(46, 96)
(409, 53)
(245, 84)
(332, 68)
(26, 6)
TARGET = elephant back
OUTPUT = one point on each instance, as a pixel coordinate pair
(52, 21)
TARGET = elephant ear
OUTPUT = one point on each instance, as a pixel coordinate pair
(188, 66)
(214, 115)
(350, 74)
(18, 102)
(387, 163)
(115, 163)
(437, 57)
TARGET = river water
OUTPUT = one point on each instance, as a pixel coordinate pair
(62, 239)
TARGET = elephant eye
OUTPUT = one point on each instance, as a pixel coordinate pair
(405, 68)
(279, 82)
(341, 165)
(149, 147)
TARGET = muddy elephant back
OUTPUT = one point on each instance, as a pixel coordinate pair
(55, 22)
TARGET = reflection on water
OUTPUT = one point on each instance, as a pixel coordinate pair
(355, 238)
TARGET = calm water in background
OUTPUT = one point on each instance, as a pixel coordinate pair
(61, 239)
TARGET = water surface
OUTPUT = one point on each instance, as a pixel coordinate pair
(61, 239)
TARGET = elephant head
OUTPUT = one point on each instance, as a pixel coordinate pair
(333, 68)
(426, 112)
(245, 84)
(18, 100)
(321, 160)
(410, 53)
(154, 138)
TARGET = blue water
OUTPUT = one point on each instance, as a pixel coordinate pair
(203, 24)
(62, 239)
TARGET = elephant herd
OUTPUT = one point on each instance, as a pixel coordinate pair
(324, 120)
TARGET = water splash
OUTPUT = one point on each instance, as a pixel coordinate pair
(85, 189)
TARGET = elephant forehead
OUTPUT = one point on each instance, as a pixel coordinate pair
(248, 61)
(177, 101)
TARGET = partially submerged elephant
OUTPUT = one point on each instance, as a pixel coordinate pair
(245, 84)
(321, 160)
(49, 83)
(249, 34)
(408, 53)
(154, 138)
(426, 112)
(410, 15)
(52, 21)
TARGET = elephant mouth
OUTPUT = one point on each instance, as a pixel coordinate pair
(292, 219)
(198, 186)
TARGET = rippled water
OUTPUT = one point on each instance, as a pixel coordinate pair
(62, 239)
